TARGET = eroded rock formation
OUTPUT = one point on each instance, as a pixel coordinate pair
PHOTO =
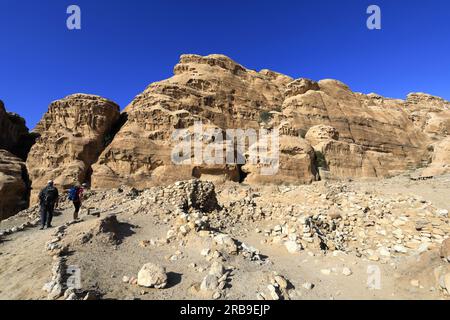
(374, 136)
(13, 185)
(14, 135)
(72, 134)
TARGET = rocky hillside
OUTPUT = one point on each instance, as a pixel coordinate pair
(327, 131)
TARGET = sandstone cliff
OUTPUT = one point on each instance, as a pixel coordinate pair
(72, 134)
(212, 89)
(13, 185)
(14, 135)
(377, 137)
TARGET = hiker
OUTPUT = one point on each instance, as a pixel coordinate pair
(75, 195)
(48, 200)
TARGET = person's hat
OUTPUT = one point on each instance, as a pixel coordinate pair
(50, 182)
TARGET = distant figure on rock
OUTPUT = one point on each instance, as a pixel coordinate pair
(76, 195)
(48, 200)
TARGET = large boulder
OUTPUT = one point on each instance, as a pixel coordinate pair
(152, 276)
(72, 134)
(14, 185)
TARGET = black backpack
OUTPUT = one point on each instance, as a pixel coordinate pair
(50, 195)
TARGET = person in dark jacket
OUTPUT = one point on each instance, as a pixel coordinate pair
(76, 196)
(48, 200)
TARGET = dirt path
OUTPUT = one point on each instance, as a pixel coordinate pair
(25, 265)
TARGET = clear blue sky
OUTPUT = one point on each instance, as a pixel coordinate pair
(125, 45)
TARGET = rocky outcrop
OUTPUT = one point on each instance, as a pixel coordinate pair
(212, 89)
(14, 135)
(371, 136)
(72, 134)
(295, 164)
(376, 129)
(13, 185)
(441, 159)
(430, 114)
(343, 159)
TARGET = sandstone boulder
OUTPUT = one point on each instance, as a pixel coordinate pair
(72, 134)
(14, 186)
(152, 276)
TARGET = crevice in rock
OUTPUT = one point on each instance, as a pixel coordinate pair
(242, 174)
(27, 181)
(109, 137)
(107, 140)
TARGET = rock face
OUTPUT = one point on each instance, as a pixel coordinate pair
(441, 159)
(212, 89)
(72, 134)
(370, 136)
(14, 135)
(13, 185)
(296, 164)
(445, 250)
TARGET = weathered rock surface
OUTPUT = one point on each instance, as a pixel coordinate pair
(13, 185)
(445, 250)
(371, 136)
(441, 159)
(152, 276)
(73, 133)
(212, 89)
(14, 135)
(295, 164)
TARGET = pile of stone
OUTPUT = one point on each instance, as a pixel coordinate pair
(214, 284)
(58, 286)
(19, 228)
(277, 289)
(55, 288)
(367, 224)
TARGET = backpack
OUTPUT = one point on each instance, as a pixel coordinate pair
(50, 196)
(73, 194)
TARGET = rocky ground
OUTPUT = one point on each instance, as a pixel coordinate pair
(194, 240)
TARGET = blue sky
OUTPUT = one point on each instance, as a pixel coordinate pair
(125, 45)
